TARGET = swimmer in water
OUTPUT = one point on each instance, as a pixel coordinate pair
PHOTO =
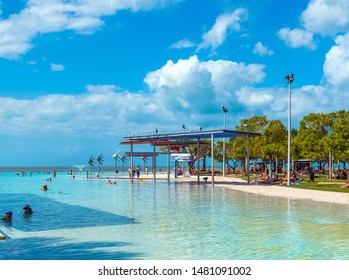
(27, 210)
(44, 188)
(8, 217)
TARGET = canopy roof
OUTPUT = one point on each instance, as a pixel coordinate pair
(169, 137)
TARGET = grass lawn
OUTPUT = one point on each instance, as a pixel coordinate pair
(321, 183)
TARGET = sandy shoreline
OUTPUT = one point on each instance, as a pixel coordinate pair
(268, 190)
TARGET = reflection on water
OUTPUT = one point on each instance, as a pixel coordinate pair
(176, 221)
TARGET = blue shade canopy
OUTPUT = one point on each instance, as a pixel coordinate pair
(223, 133)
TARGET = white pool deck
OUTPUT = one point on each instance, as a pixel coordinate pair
(238, 184)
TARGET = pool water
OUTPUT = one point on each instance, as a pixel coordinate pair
(89, 219)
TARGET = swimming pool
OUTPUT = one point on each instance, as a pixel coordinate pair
(89, 219)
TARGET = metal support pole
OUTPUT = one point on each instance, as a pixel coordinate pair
(154, 162)
(289, 78)
(212, 159)
(198, 159)
(131, 163)
(168, 164)
(248, 156)
(329, 166)
(225, 112)
(289, 138)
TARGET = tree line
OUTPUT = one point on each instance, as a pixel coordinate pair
(323, 138)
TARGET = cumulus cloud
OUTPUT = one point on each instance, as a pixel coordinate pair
(273, 102)
(336, 66)
(182, 44)
(262, 50)
(216, 36)
(97, 112)
(200, 85)
(254, 98)
(185, 91)
(326, 17)
(297, 38)
(46, 16)
(57, 67)
(188, 91)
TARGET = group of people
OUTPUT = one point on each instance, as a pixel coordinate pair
(341, 174)
(8, 215)
(281, 180)
(134, 172)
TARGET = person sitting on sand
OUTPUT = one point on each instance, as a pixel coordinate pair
(346, 185)
(27, 210)
(44, 188)
(8, 217)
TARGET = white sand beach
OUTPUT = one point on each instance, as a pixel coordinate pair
(268, 190)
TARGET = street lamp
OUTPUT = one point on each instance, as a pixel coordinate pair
(225, 110)
(289, 78)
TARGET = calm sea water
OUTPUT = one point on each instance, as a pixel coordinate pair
(89, 219)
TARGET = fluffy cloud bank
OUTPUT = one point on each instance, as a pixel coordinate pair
(200, 86)
(336, 67)
(188, 91)
(326, 17)
(188, 88)
(47, 16)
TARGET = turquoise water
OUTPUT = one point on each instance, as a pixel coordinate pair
(88, 219)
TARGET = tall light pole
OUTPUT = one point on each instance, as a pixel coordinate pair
(289, 78)
(225, 110)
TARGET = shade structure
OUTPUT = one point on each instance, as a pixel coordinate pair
(168, 139)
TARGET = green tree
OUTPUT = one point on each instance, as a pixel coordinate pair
(313, 137)
(339, 141)
(274, 141)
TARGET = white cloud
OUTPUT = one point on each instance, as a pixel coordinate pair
(46, 16)
(216, 36)
(199, 86)
(254, 98)
(95, 113)
(297, 38)
(262, 50)
(336, 66)
(326, 17)
(57, 67)
(188, 91)
(182, 44)
(273, 102)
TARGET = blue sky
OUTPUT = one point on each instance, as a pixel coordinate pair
(77, 75)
